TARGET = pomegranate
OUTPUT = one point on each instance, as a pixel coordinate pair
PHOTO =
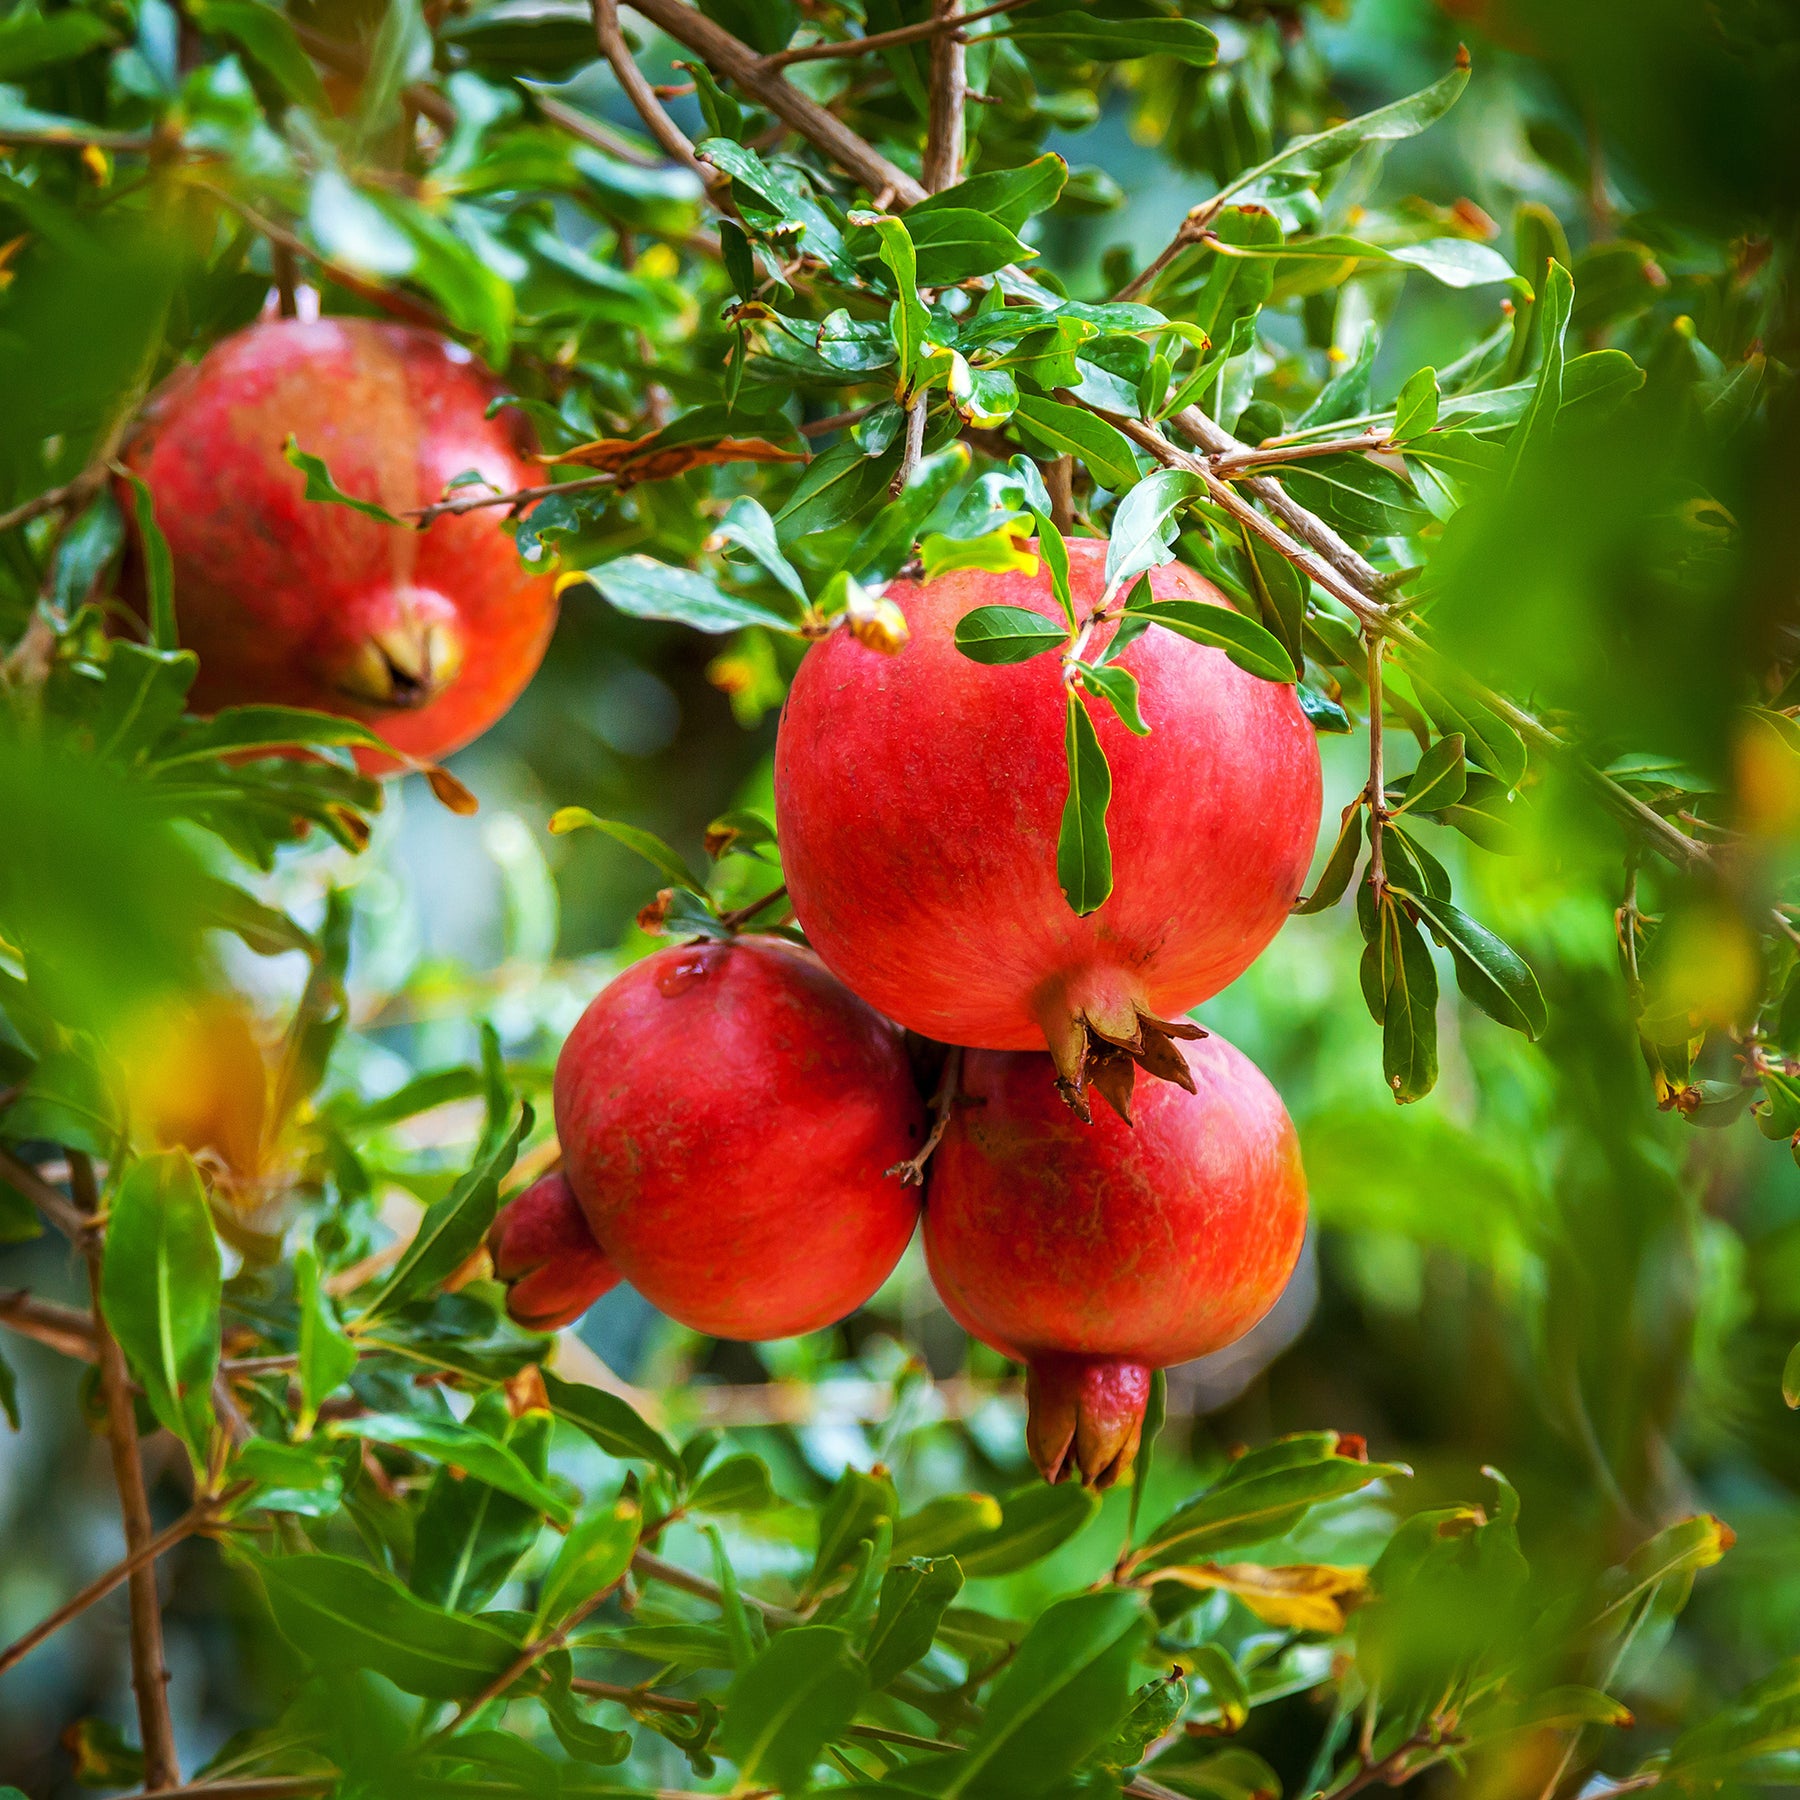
(919, 796)
(542, 1249)
(1097, 1254)
(728, 1113)
(426, 636)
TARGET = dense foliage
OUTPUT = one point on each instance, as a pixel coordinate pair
(1472, 393)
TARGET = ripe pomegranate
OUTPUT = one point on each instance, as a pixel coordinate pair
(542, 1249)
(728, 1114)
(1097, 1254)
(426, 636)
(919, 797)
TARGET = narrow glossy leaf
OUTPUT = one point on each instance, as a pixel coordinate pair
(321, 489)
(159, 565)
(1056, 557)
(346, 1615)
(1488, 970)
(853, 1512)
(1554, 306)
(30, 41)
(1346, 394)
(908, 320)
(646, 843)
(239, 730)
(738, 1484)
(802, 1691)
(579, 1737)
(1007, 196)
(1416, 409)
(594, 1556)
(327, 1357)
(452, 1229)
(945, 1525)
(1334, 878)
(748, 525)
(1083, 853)
(9, 1393)
(1354, 494)
(954, 243)
(1487, 739)
(1224, 1683)
(1790, 1378)
(1141, 526)
(999, 552)
(835, 488)
(1409, 1005)
(1119, 689)
(611, 1423)
(469, 1536)
(160, 1287)
(1007, 634)
(647, 589)
(1254, 649)
(914, 1595)
(299, 1478)
(1033, 1522)
(458, 1446)
(1439, 779)
(268, 38)
(1279, 590)
(1674, 1554)
(1115, 39)
(1074, 430)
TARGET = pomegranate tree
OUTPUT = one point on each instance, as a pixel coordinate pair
(428, 636)
(543, 1250)
(1097, 1254)
(918, 797)
(728, 1114)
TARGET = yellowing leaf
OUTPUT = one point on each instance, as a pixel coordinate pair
(1298, 1596)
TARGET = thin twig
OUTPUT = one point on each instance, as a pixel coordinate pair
(942, 166)
(76, 488)
(1234, 462)
(529, 1655)
(117, 143)
(639, 92)
(655, 1568)
(731, 56)
(888, 40)
(915, 445)
(149, 1669)
(1059, 483)
(520, 497)
(65, 1329)
(1190, 231)
(740, 916)
(21, 1175)
(256, 1787)
(592, 131)
(837, 421)
(943, 1104)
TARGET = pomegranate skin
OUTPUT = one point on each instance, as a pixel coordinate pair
(919, 798)
(426, 636)
(541, 1247)
(728, 1112)
(1095, 1254)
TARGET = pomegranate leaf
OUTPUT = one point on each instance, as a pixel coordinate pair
(1439, 779)
(1071, 430)
(748, 525)
(1007, 196)
(1007, 634)
(1000, 552)
(1142, 526)
(646, 589)
(444, 1440)
(1334, 879)
(1056, 559)
(611, 1423)
(322, 489)
(1416, 409)
(666, 860)
(914, 1596)
(1033, 1522)
(799, 1693)
(1119, 689)
(159, 565)
(1083, 854)
(946, 1525)
(1398, 966)
(594, 1555)
(327, 1357)
(1254, 648)
(1488, 970)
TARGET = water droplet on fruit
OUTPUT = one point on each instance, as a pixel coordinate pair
(683, 974)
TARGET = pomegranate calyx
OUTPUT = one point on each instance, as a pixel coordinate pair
(404, 665)
(1109, 1060)
(1086, 1414)
(543, 1249)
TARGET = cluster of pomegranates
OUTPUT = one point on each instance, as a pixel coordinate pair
(743, 1138)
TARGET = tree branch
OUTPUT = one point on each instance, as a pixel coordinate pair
(77, 488)
(21, 1175)
(824, 130)
(64, 1329)
(949, 91)
(641, 95)
(519, 497)
(149, 1670)
(1232, 463)
(655, 1568)
(888, 40)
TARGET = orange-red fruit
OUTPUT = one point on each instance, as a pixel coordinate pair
(919, 797)
(1096, 1254)
(542, 1249)
(728, 1112)
(426, 636)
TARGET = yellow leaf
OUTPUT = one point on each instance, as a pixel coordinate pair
(1300, 1596)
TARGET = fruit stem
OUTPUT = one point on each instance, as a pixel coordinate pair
(741, 916)
(943, 1102)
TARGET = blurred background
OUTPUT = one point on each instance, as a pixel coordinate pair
(1532, 1268)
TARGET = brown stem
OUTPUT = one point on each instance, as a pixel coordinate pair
(1377, 788)
(1190, 231)
(149, 1670)
(64, 1329)
(915, 444)
(76, 489)
(119, 143)
(257, 1787)
(592, 131)
(1234, 462)
(942, 167)
(640, 93)
(519, 497)
(655, 1568)
(21, 1175)
(531, 1654)
(943, 1104)
(837, 421)
(1059, 483)
(286, 266)
(888, 40)
(824, 130)
(740, 916)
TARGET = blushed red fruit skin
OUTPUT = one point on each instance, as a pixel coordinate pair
(275, 592)
(1095, 1253)
(542, 1249)
(919, 798)
(728, 1112)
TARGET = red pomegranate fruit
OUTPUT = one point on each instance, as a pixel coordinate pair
(427, 636)
(728, 1114)
(541, 1247)
(919, 796)
(1096, 1254)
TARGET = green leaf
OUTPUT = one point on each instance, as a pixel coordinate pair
(834, 489)
(30, 41)
(327, 1356)
(242, 730)
(1113, 39)
(1119, 689)
(1554, 306)
(585, 1742)
(908, 320)
(1083, 855)
(345, 1615)
(469, 1536)
(321, 488)
(646, 843)
(268, 38)
(1416, 409)
(994, 552)
(914, 1595)
(1488, 970)
(307, 1479)
(738, 1484)
(1790, 1378)
(160, 1287)
(1072, 430)
(1487, 739)
(1033, 1522)
(748, 525)
(1280, 593)
(451, 1230)
(853, 1512)
(159, 564)
(445, 1441)
(1007, 196)
(1334, 879)
(402, 53)
(946, 1524)
(643, 588)
(594, 1557)
(1054, 552)
(1354, 494)
(1255, 650)
(1407, 979)
(9, 1393)
(949, 244)
(1007, 634)
(1143, 525)
(1439, 779)
(611, 1423)
(801, 1692)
